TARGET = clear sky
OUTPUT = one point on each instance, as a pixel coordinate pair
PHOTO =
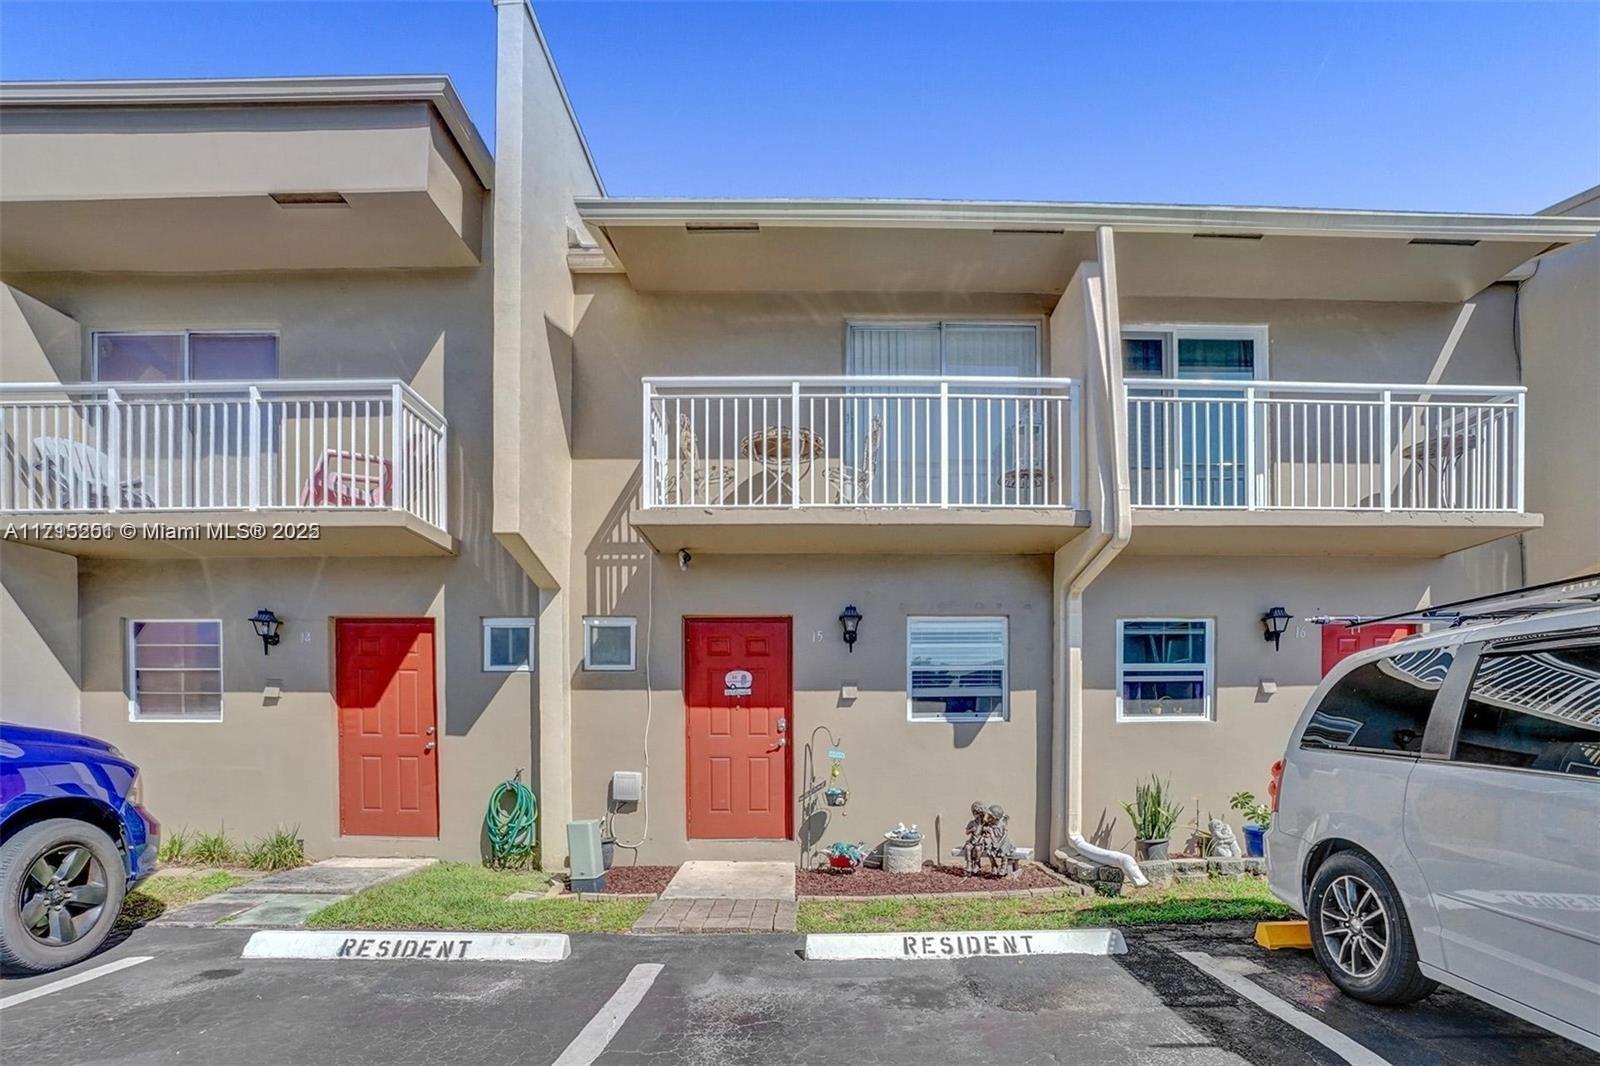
(1469, 107)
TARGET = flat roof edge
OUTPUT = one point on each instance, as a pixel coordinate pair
(433, 89)
(1152, 218)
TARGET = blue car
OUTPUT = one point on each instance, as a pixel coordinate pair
(73, 838)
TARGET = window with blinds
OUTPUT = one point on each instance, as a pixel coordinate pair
(175, 670)
(956, 669)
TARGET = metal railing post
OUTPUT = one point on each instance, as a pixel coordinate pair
(255, 448)
(1074, 437)
(794, 444)
(442, 478)
(1388, 449)
(397, 466)
(944, 444)
(114, 454)
(1521, 466)
(647, 437)
(1251, 471)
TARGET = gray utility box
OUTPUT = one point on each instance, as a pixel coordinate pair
(583, 845)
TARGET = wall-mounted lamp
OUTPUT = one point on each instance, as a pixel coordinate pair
(850, 621)
(1274, 622)
(267, 625)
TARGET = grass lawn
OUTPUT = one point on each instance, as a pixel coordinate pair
(462, 896)
(162, 892)
(1197, 901)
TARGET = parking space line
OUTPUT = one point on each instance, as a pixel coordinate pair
(73, 981)
(587, 1045)
(1324, 1034)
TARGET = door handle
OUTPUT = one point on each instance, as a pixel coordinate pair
(783, 742)
(429, 746)
(430, 731)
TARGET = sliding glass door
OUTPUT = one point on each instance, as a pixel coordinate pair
(1191, 451)
(896, 431)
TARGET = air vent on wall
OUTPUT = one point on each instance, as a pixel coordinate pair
(309, 199)
(1444, 242)
(722, 227)
(1227, 236)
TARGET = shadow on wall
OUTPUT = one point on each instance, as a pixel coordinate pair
(615, 555)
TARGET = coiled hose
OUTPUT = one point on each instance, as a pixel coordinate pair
(511, 828)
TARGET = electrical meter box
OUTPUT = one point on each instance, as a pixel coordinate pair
(583, 845)
(627, 786)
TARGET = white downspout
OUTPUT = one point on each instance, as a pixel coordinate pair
(1092, 559)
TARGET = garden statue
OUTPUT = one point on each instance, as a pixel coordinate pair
(1224, 845)
(989, 837)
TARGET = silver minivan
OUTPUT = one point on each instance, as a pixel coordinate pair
(1438, 819)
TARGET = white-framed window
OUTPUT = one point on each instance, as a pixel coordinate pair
(1165, 668)
(174, 670)
(1230, 352)
(956, 669)
(185, 355)
(609, 643)
(508, 645)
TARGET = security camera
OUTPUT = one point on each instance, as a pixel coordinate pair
(684, 558)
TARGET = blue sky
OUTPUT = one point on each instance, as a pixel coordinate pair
(1470, 107)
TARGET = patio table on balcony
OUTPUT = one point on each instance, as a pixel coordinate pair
(785, 455)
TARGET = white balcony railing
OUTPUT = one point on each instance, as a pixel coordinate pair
(214, 446)
(1325, 446)
(860, 442)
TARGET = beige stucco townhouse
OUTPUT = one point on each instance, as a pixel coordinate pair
(535, 478)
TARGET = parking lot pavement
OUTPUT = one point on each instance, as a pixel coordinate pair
(726, 1000)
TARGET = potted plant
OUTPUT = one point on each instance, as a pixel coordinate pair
(1257, 817)
(1153, 814)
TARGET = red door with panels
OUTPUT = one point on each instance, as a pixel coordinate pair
(388, 728)
(738, 709)
(1340, 642)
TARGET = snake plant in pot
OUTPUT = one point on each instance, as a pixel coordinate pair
(1153, 814)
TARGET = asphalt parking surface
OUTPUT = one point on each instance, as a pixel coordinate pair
(728, 1000)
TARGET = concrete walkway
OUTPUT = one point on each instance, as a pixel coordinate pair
(724, 897)
(284, 900)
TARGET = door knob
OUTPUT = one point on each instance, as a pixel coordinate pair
(430, 731)
(428, 747)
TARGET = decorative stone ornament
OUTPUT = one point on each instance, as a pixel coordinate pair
(1224, 845)
(989, 837)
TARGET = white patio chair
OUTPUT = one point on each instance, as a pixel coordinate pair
(853, 484)
(82, 477)
(689, 478)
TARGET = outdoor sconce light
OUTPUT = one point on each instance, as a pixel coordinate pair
(1274, 622)
(267, 625)
(850, 621)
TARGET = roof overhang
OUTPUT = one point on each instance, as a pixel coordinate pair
(921, 245)
(247, 174)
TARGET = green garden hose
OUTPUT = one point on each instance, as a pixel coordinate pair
(510, 828)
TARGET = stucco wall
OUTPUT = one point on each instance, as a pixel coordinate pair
(1560, 324)
(270, 765)
(916, 772)
(40, 654)
(1360, 341)
(1209, 761)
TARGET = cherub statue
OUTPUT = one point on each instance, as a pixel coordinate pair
(978, 834)
(1224, 845)
(999, 840)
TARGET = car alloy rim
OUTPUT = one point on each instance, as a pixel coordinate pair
(62, 895)
(1355, 926)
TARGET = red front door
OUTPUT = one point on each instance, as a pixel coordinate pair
(1339, 642)
(388, 728)
(738, 703)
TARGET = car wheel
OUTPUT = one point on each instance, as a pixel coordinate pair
(62, 883)
(1360, 934)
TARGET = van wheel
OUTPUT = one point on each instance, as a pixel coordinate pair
(1360, 934)
(61, 887)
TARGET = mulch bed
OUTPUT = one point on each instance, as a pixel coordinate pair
(631, 880)
(870, 882)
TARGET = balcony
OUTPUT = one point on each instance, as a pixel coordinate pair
(860, 464)
(176, 468)
(1317, 467)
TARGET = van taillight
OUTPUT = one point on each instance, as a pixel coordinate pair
(1275, 784)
